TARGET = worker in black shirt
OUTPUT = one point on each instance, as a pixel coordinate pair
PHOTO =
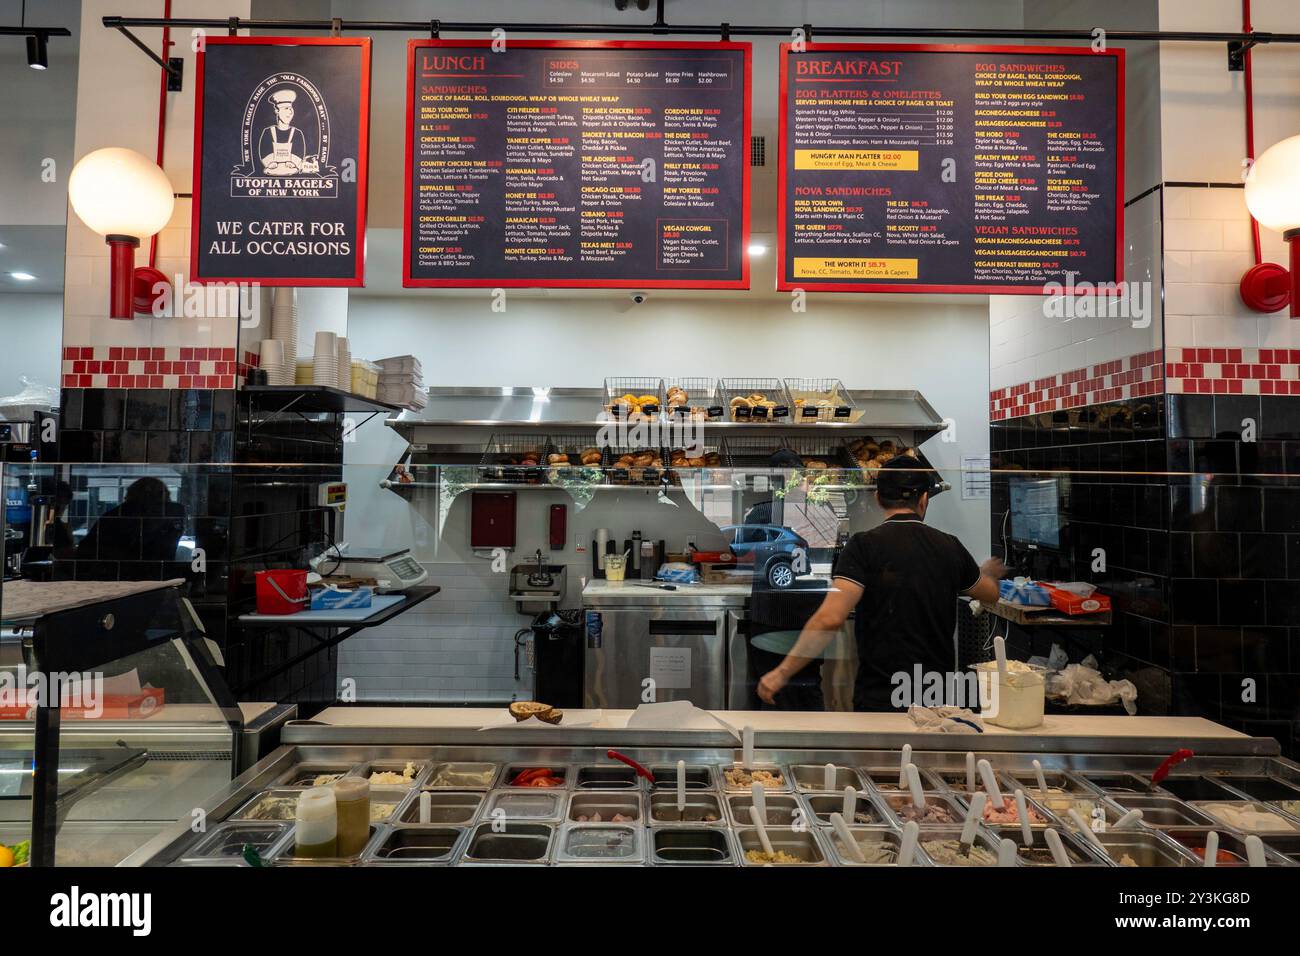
(903, 579)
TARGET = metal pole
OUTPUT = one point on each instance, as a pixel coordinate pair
(705, 29)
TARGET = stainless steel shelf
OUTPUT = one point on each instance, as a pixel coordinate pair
(531, 409)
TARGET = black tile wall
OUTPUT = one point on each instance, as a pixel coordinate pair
(241, 481)
(1203, 551)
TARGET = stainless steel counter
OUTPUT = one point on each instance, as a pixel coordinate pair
(602, 594)
(546, 826)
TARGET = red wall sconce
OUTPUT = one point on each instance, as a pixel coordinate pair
(125, 197)
(1273, 198)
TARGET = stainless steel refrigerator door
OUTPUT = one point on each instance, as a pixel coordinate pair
(741, 693)
(683, 654)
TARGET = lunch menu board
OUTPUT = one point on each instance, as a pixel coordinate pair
(949, 168)
(577, 164)
(280, 148)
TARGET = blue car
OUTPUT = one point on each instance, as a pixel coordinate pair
(776, 552)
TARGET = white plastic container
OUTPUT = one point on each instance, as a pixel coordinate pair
(1015, 701)
(317, 824)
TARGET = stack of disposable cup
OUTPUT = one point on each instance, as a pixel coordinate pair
(325, 361)
(344, 364)
(284, 323)
(279, 371)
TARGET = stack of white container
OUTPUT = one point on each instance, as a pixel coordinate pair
(279, 353)
(325, 360)
(401, 382)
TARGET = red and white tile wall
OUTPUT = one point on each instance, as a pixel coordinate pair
(118, 366)
(1214, 343)
(86, 326)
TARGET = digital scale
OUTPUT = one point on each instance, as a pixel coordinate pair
(394, 571)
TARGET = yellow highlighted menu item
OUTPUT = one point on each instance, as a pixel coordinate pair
(903, 160)
(835, 268)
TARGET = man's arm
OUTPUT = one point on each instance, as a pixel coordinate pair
(985, 590)
(820, 630)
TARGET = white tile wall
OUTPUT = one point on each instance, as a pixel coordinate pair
(1207, 250)
(1027, 343)
(457, 646)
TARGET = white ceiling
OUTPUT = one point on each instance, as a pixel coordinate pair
(34, 249)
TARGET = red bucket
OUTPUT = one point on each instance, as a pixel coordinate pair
(281, 592)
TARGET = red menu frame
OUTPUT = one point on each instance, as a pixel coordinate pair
(505, 283)
(363, 160)
(785, 284)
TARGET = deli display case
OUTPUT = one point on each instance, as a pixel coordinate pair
(572, 801)
(116, 723)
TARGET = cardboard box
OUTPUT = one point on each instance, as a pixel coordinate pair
(1067, 602)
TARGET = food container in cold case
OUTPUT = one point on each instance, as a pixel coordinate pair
(878, 845)
(1015, 701)
(603, 843)
(790, 847)
(1247, 816)
(416, 846)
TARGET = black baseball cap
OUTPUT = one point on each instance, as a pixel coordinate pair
(904, 478)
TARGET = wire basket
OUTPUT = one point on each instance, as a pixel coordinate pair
(617, 388)
(573, 445)
(874, 452)
(820, 400)
(773, 407)
(710, 455)
(703, 402)
(514, 459)
(750, 451)
(820, 451)
(634, 466)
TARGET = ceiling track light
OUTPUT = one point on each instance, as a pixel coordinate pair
(38, 51)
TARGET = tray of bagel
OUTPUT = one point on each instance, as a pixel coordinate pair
(514, 459)
(693, 399)
(815, 400)
(573, 457)
(755, 399)
(634, 399)
(634, 466)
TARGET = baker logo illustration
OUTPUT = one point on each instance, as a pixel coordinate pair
(285, 142)
(282, 149)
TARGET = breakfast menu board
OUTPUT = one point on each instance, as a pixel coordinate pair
(577, 164)
(949, 168)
